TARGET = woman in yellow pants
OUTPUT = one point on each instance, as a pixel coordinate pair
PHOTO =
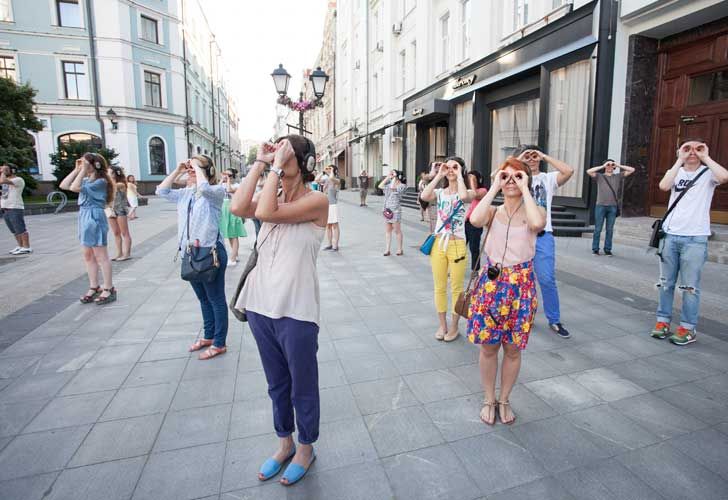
(449, 253)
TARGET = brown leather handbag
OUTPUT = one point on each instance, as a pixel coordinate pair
(462, 305)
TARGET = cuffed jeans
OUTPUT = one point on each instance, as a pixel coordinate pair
(684, 256)
(472, 236)
(545, 267)
(602, 213)
(288, 349)
(213, 303)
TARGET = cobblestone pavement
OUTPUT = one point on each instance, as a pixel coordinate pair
(105, 403)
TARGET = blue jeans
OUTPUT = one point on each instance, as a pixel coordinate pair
(213, 303)
(601, 212)
(545, 267)
(684, 256)
(288, 350)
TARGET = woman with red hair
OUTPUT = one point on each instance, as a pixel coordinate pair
(504, 299)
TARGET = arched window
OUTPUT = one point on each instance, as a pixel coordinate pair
(157, 157)
(94, 140)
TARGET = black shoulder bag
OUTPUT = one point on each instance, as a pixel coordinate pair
(657, 232)
(199, 264)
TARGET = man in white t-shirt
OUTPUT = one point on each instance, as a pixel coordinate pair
(684, 248)
(543, 188)
(13, 208)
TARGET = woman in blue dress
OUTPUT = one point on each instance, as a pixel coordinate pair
(91, 180)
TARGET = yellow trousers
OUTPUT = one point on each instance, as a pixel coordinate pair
(443, 263)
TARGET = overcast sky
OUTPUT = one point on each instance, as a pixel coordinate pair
(257, 35)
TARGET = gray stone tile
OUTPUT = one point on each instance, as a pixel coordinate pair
(251, 418)
(37, 386)
(563, 394)
(203, 392)
(202, 466)
(662, 418)
(359, 482)
(415, 361)
(326, 351)
(71, 411)
(250, 385)
(500, 454)
(606, 384)
(527, 406)
(697, 402)
(647, 375)
(458, 418)
(707, 447)
(269, 491)
(688, 366)
(117, 355)
(31, 347)
(357, 347)
(348, 330)
(534, 366)
(97, 379)
(14, 367)
(342, 443)
(15, 416)
(470, 376)
(605, 354)
(606, 480)
(243, 460)
(249, 359)
(383, 395)
(643, 344)
(429, 474)
(402, 430)
(130, 437)
(337, 403)
(456, 353)
(219, 367)
(402, 341)
(604, 423)
(69, 357)
(673, 474)
(166, 350)
(194, 427)
(547, 488)
(568, 360)
(435, 385)
(107, 481)
(27, 488)
(138, 401)
(32, 454)
(716, 386)
(364, 369)
(156, 372)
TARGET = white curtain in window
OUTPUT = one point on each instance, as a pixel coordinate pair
(513, 126)
(5, 10)
(464, 131)
(412, 152)
(568, 113)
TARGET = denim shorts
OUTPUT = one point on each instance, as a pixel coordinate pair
(15, 220)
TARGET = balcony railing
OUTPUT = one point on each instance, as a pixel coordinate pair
(529, 28)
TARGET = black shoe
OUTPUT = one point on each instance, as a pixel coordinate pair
(595, 252)
(560, 330)
(328, 248)
(608, 252)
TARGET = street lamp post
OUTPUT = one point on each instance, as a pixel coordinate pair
(318, 79)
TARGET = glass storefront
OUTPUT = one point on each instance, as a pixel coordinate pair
(464, 131)
(512, 126)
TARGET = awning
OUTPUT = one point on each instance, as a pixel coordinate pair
(429, 109)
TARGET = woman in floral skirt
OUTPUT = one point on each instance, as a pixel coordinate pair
(504, 301)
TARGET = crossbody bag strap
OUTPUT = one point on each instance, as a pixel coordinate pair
(451, 216)
(689, 185)
(482, 249)
(616, 198)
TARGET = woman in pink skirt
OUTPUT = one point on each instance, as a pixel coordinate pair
(504, 301)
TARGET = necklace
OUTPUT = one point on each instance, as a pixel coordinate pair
(508, 228)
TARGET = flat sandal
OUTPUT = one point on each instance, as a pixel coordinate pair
(212, 352)
(488, 404)
(505, 403)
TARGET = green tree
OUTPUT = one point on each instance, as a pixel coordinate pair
(252, 153)
(16, 119)
(68, 152)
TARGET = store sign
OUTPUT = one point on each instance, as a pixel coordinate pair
(463, 82)
(417, 111)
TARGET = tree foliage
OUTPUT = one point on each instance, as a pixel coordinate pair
(68, 152)
(17, 117)
(252, 153)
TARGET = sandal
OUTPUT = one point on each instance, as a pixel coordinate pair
(294, 472)
(500, 412)
(200, 344)
(439, 334)
(211, 352)
(400, 253)
(100, 301)
(89, 297)
(387, 254)
(487, 405)
(272, 467)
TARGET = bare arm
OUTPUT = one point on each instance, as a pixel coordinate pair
(243, 203)
(718, 171)
(535, 215)
(668, 180)
(592, 172)
(464, 193)
(627, 170)
(68, 180)
(4, 179)
(312, 207)
(565, 171)
(168, 181)
(384, 182)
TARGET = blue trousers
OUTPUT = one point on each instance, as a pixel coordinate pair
(602, 213)
(682, 256)
(545, 267)
(213, 303)
(288, 350)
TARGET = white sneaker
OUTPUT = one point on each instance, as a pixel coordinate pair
(23, 251)
(232, 263)
(14, 251)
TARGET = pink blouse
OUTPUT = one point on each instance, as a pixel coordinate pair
(521, 243)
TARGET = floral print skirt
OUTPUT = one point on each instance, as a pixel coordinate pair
(502, 310)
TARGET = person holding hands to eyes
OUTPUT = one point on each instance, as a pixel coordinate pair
(232, 227)
(449, 253)
(394, 187)
(684, 248)
(609, 177)
(281, 295)
(503, 303)
(331, 183)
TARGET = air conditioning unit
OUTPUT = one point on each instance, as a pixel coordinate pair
(397, 29)
(380, 47)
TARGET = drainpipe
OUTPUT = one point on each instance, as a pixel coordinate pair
(94, 69)
(366, 65)
(212, 107)
(188, 119)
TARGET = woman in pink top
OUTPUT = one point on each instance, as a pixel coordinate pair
(472, 233)
(504, 300)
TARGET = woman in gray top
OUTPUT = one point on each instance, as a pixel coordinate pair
(329, 179)
(609, 185)
(118, 215)
(394, 187)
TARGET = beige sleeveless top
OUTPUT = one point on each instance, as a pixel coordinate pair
(521, 244)
(284, 282)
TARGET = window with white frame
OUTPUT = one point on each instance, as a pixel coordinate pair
(444, 42)
(465, 29)
(413, 65)
(403, 71)
(69, 13)
(75, 80)
(6, 10)
(157, 157)
(557, 3)
(152, 89)
(520, 13)
(149, 29)
(375, 91)
(7, 67)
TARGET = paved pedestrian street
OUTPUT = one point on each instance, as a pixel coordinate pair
(105, 402)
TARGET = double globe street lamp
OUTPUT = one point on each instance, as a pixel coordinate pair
(318, 79)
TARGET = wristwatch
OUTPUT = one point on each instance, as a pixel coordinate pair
(277, 170)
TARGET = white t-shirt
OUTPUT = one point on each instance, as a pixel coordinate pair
(12, 196)
(691, 217)
(543, 187)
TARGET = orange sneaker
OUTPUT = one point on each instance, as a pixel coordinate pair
(661, 330)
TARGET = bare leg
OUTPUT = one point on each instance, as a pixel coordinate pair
(387, 236)
(285, 447)
(336, 234)
(509, 375)
(442, 318)
(234, 249)
(328, 234)
(125, 235)
(116, 231)
(398, 232)
(454, 320)
(25, 239)
(303, 455)
(488, 371)
(92, 267)
(102, 258)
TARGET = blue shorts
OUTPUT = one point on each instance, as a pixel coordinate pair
(15, 220)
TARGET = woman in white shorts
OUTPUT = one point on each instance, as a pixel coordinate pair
(330, 181)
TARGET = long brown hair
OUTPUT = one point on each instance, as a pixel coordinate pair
(119, 177)
(101, 171)
(208, 167)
